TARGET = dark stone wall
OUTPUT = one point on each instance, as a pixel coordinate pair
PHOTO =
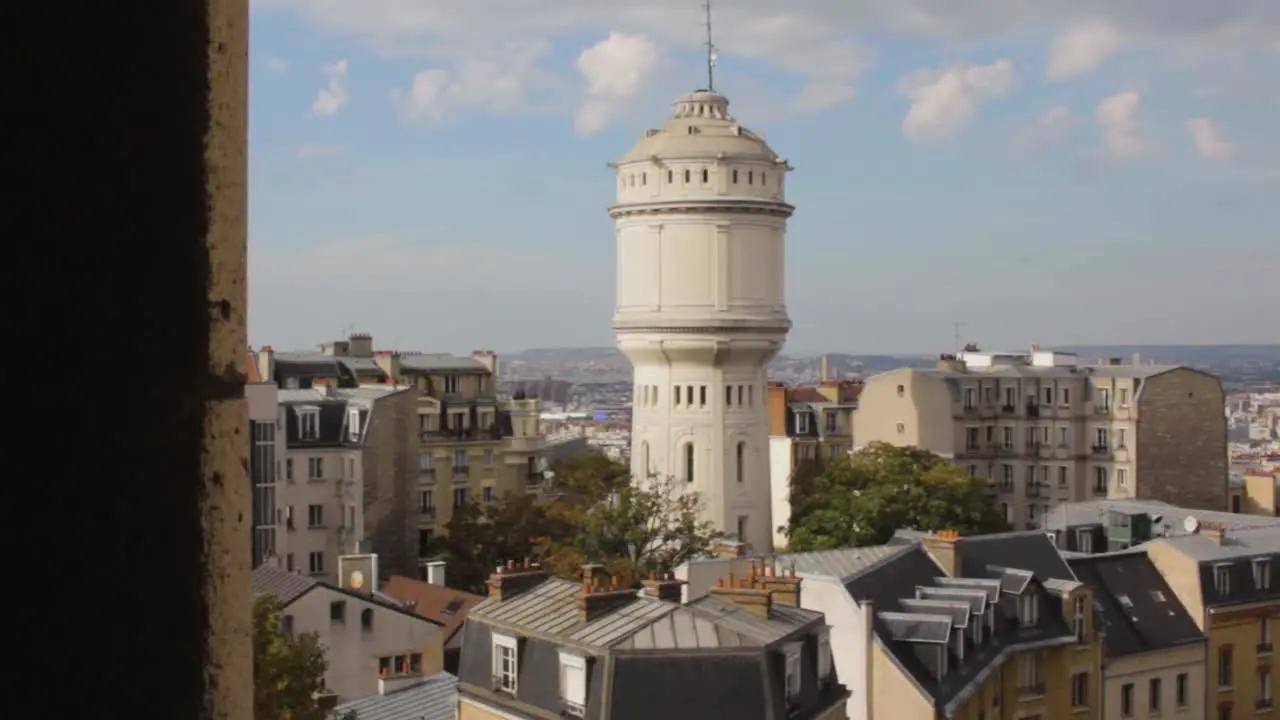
(125, 229)
(1182, 440)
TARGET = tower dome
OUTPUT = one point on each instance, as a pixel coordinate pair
(701, 126)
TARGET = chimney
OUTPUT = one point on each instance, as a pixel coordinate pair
(1114, 362)
(511, 580)
(601, 594)
(388, 361)
(1214, 531)
(942, 547)
(866, 634)
(739, 592)
(665, 588)
(783, 587)
(488, 358)
(435, 573)
(730, 549)
(824, 369)
(399, 682)
(360, 345)
(948, 361)
(267, 364)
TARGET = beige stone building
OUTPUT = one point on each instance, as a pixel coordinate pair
(1045, 429)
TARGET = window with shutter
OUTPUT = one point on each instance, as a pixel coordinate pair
(573, 683)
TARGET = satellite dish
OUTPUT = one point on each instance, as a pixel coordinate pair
(1190, 524)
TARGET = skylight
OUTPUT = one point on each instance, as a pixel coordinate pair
(1157, 595)
(1125, 601)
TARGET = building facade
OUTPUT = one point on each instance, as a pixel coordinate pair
(542, 647)
(1045, 429)
(700, 225)
(264, 450)
(807, 425)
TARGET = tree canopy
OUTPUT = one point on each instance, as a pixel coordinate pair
(593, 513)
(288, 669)
(884, 488)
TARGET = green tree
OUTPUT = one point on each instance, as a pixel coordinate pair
(589, 474)
(885, 488)
(288, 669)
(483, 536)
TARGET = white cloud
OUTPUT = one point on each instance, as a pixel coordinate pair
(1209, 143)
(1118, 117)
(1052, 127)
(496, 82)
(277, 65)
(613, 70)
(333, 96)
(310, 151)
(1082, 49)
(943, 100)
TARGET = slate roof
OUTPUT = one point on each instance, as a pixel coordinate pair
(1242, 556)
(1172, 518)
(442, 605)
(550, 610)
(441, 362)
(286, 586)
(842, 563)
(1134, 605)
(435, 698)
(919, 608)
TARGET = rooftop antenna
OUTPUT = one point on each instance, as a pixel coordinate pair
(711, 50)
(956, 328)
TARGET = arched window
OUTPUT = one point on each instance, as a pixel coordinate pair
(742, 457)
(706, 176)
(688, 176)
(688, 462)
(735, 177)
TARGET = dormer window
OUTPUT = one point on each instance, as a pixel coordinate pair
(1262, 573)
(793, 670)
(505, 664)
(802, 423)
(1222, 578)
(1079, 618)
(573, 684)
(1028, 609)
(825, 665)
(308, 424)
(353, 425)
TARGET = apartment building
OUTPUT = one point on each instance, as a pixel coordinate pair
(435, 600)
(371, 643)
(938, 626)
(470, 444)
(1256, 491)
(541, 647)
(265, 446)
(1154, 652)
(808, 424)
(1098, 526)
(1045, 429)
(1224, 579)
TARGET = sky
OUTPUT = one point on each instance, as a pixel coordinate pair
(1056, 172)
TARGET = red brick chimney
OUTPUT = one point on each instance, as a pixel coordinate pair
(783, 587)
(739, 592)
(510, 580)
(1213, 531)
(601, 594)
(666, 587)
(941, 546)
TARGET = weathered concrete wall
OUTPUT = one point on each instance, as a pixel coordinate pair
(1182, 440)
(390, 462)
(125, 223)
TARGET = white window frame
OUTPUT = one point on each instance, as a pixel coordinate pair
(451, 384)
(315, 516)
(793, 677)
(1122, 477)
(308, 424)
(573, 695)
(353, 425)
(509, 683)
(488, 457)
(315, 468)
(825, 664)
(1028, 609)
(802, 423)
(1079, 618)
(425, 460)
(1262, 573)
(315, 562)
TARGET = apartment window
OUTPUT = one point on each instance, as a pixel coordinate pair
(315, 468)
(459, 462)
(802, 423)
(315, 562)
(1121, 436)
(424, 461)
(487, 494)
(1264, 688)
(289, 565)
(353, 425)
(451, 384)
(1224, 712)
(1154, 690)
(1100, 438)
(1007, 437)
(1048, 396)
(1182, 690)
(1084, 541)
(1225, 666)
(1100, 479)
(1063, 438)
(971, 438)
(1126, 700)
(824, 655)
(1222, 579)
(1006, 475)
(488, 458)
(833, 452)
(751, 396)
(742, 528)
(902, 390)
(1264, 636)
(459, 497)
(735, 177)
(288, 469)
(702, 396)
(1066, 396)
(1010, 397)
(315, 516)
(338, 610)
(1029, 673)
(426, 501)
(1080, 690)
(740, 461)
(675, 395)
(1104, 399)
(1122, 477)
(573, 683)
(832, 421)
(1006, 513)
(1029, 609)
(1124, 397)
(970, 398)
(1262, 573)
(793, 670)
(688, 462)
(505, 664)
(366, 618)
(351, 469)
(1062, 476)
(1079, 619)
(308, 424)
(971, 470)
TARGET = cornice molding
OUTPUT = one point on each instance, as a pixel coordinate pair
(704, 207)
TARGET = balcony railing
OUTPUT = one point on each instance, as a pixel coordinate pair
(426, 473)
(1099, 489)
(427, 512)
(533, 478)
(1030, 689)
(573, 709)
(1033, 410)
(1035, 490)
(1008, 409)
(1264, 648)
(457, 435)
(1100, 449)
(461, 472)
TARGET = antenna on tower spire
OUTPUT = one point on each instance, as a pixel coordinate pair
(711, 50)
